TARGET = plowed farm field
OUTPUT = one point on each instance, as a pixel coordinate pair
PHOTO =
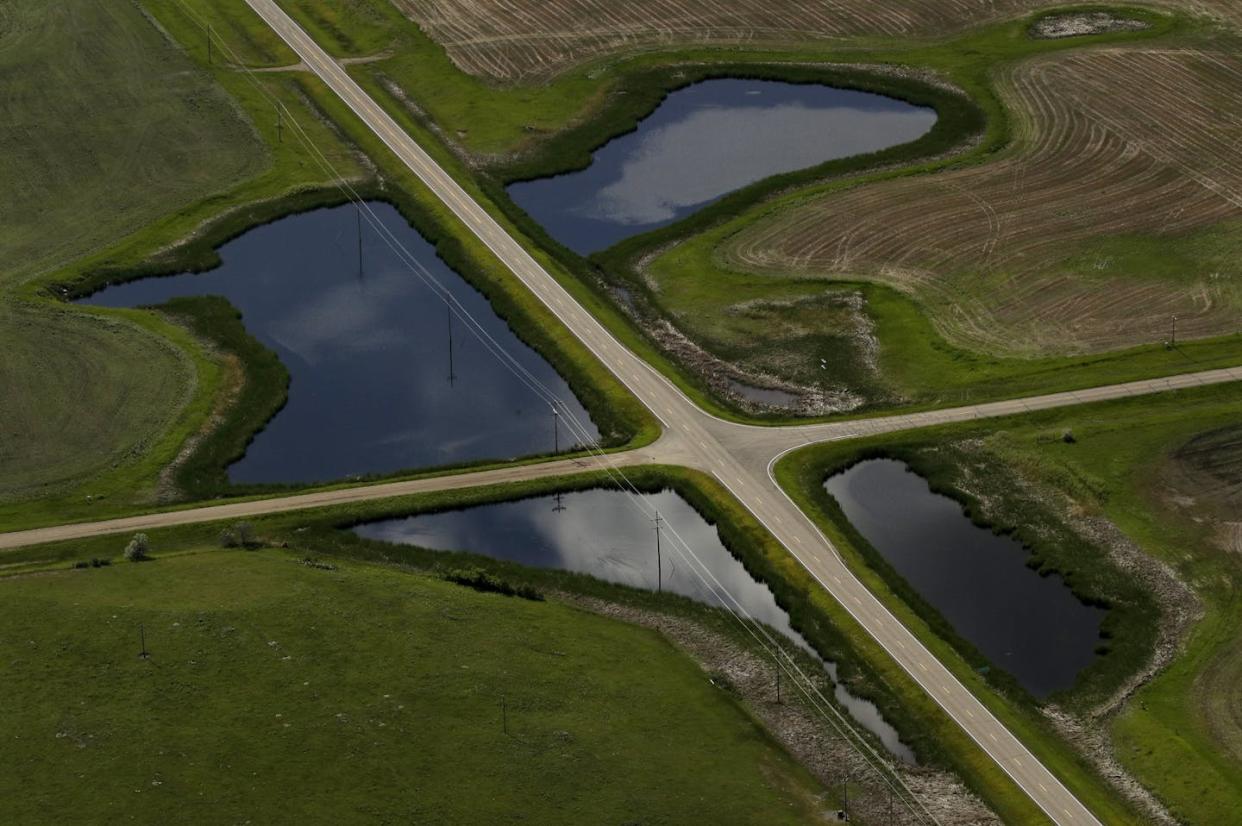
(517, 40)
(1117, 207)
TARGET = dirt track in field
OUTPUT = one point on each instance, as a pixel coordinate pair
(525, 39)
(1108, 142)
(1204, 476)
(1203, 482)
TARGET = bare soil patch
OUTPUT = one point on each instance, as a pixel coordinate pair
(1208, 470)
(1057, 26)
(530, 39)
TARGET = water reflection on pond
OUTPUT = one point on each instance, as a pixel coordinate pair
(1030, 625)
(368, 353)
(704, 141)
(604, 534)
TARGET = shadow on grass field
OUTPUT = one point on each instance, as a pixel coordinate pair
(277, 692)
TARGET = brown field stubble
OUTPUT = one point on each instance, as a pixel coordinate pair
(518, 40)
(1110, 142)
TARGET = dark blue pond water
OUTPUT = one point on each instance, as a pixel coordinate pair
(603, 533)
(1030, 625)
(368, 353)
(707, 140)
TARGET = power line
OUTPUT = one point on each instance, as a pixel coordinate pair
(731, 605)
(537, 386)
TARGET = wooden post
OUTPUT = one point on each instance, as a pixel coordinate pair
(659, 559)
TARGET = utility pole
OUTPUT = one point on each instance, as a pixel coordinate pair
(209, 56)
(845, 796)
(504, 713)
(1173, 337)
(556, 429)
(142, 636)
(558, 507)
(659, 562)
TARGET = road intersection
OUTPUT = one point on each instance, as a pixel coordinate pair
(740, 456)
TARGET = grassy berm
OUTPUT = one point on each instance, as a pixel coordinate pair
(277, 692)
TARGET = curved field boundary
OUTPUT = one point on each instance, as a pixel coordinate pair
(1108, 142)
(516, 40)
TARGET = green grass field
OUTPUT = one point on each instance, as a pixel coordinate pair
(862, 664)
(1180, 734)
(277, 692)
(106, 126)
(127, 157)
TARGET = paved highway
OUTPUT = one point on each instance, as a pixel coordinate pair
(322, 499)
(740, 456)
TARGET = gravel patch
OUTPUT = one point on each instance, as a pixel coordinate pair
(1082, 24)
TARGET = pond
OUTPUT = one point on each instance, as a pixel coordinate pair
(606, 534)
(704, 141)
(764, 396)
(1031, 626)
(368, 350)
